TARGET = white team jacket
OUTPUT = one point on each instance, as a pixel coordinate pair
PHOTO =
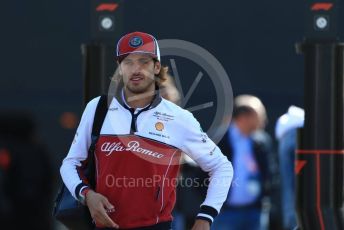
(142, 144)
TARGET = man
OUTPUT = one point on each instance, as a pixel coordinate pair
(242, 209)
(138, 151)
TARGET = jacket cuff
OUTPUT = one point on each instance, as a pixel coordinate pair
(207, 213)
(78, 189)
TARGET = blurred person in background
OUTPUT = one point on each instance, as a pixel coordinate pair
(251, 183)
(25, 175)
(286, 133)
(271, 205)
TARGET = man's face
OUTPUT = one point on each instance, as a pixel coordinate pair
(252, 122)
(248, 123)
(138, 71)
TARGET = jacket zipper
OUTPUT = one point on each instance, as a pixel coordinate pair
(157, 194)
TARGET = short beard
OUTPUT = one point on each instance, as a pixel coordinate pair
(141, 92)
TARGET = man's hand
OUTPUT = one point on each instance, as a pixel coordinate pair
(201, 225)
(99, 206)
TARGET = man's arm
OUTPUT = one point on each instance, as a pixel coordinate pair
(73, 175)
(72, 166)
(209, 157)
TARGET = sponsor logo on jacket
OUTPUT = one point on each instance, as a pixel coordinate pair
(159, 126)
(132, 146)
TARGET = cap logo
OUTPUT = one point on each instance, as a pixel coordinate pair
(135, 41)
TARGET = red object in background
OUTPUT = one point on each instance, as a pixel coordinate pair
(5, 159)
(107, 7)
(299, 164)
(322, 6)
(68, 120)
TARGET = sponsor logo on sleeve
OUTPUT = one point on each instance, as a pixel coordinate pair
(113, 109)
(212, 151)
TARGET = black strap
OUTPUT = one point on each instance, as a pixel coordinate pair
(98, 121)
